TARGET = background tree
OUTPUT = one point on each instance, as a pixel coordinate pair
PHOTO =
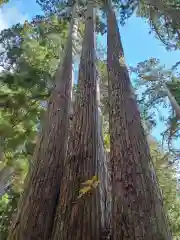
(159, 87)
(163, 18)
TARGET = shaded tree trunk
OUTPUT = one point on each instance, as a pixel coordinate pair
(137, 206)
(80, 219)
(36, 212)
(105, 192)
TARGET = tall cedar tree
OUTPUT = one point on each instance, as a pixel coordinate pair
(81, 218)
(36, 212)
(137, 208)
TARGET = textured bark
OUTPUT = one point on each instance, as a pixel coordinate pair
(37, 208)
(137, 206)
(80, 219)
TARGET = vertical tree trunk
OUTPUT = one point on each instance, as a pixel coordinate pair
(105, 194)
(37, 208)
(137, 206)
(6, 179)
(80, 219)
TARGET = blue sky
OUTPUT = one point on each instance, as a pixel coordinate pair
(138, 44)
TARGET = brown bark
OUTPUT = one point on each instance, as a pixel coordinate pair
(79, 219)
(137, 206)
(36, 212)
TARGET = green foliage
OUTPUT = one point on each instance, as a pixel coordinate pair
(30, 56)
(39, 43)
(168, 182)
(107, 142)
(3, 1)
(163, 18)
(150, 76)
(8, 206)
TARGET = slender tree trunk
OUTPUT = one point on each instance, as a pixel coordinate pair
(80, 219)
(6, 179)
(37, 208)
(105, 194)
(104, 186)
(174, 104)
(137, 206)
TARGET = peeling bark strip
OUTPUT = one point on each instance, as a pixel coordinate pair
(36, 211)
(80, 219)
(137, 206)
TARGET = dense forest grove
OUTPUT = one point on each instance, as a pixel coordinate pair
(78, 160)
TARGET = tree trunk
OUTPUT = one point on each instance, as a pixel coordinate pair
(174, 104)
(137, 206)
(6, 179)
(35, 217)
(80, 218)
(105, 193)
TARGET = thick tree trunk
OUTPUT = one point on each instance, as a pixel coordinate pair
(137, 206)
(80, 218)
(37, 208)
